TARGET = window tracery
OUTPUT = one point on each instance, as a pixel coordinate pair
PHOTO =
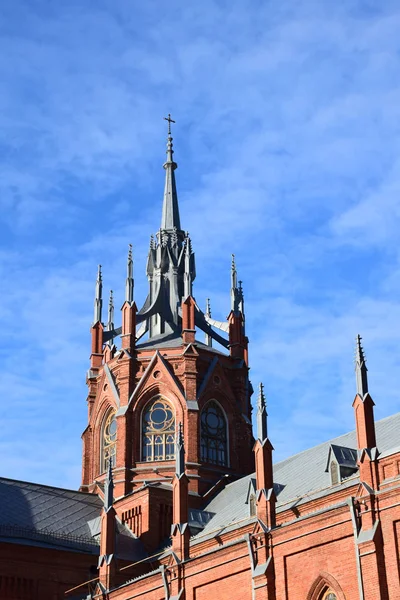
(109, 441)
(213, 435)
(158, 431)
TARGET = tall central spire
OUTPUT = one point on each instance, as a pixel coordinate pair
(170, 213)
(170, 264)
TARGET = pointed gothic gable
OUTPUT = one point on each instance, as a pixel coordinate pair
(167, 379)
(206, 378)
(107, 396)
(190, 351)
(112, 383)
(260, 527)
(209, 386)
(124, 354)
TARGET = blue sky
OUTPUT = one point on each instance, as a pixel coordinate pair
(288, 144)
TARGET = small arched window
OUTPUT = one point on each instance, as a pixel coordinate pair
(158, 431)
(213, 435)
(109, 441)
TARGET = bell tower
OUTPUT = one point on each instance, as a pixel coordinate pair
(153, 372)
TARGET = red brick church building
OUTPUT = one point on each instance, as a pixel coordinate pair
(178, 500)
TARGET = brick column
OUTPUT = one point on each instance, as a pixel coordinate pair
(188, 326)
(264, 482)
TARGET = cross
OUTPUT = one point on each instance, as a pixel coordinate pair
(169, 122)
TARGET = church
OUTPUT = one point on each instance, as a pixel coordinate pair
(180, 498)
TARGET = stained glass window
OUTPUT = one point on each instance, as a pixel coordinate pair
(158, 431)
(329, 595)
(109, 441)
(213, 438)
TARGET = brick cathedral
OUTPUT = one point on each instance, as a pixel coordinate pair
(179, 498)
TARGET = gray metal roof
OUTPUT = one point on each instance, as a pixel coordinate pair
(173, 340)
(299, 478)
(47, 514)
(42, 515)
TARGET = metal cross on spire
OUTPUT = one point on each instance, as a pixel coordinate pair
(169, 122)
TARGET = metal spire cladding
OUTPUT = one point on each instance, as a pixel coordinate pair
(98, 299)
(170, 264)
(170, 219)
(236, 291)
(361, 369)
(262, 415)
(207, 314)
(110, 317)
(108, 488)
(129, 277)
(180, 452)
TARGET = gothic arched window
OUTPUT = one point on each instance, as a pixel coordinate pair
(158, 431)
(213, 435)
(108, 441)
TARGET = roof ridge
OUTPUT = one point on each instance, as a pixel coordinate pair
(330, 441)
(52, 487)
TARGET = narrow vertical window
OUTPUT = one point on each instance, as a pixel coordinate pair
(109, 441)
(158, 431)
(213, 435)
(253, 505)
(334, 472)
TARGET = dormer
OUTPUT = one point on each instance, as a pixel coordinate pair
(341, 463)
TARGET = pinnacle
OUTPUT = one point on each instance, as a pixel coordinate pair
(261, 396)
(359, 357)
(261, 414)
(361, 369)
(208, 307)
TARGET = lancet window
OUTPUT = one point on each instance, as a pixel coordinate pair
(109, 441)
(158, 431)
(213, 435)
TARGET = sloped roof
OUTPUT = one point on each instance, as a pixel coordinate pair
(42, 515)
(46, 514)
(173, 340)
(299, 478)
